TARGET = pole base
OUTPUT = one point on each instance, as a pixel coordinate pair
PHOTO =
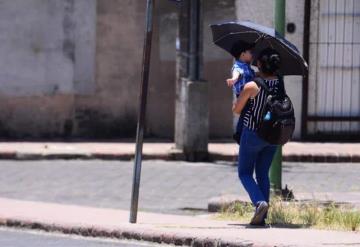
(192, 120)
(285, 194)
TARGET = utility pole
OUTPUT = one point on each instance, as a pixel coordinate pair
(276, 166)
(191, 106)
(142, 111)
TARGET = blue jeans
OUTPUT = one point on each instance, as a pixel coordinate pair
(255, 154)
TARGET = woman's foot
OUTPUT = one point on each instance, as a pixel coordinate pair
(260, 212)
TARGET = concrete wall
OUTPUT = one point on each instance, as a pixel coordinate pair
(47, 55)
(161, 97)
(295, 14)
(263, 13)
(217, 64)
(111, 110)
(71, 68)
(217, 67)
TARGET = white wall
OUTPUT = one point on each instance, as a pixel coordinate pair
(47, 47)
(295, 14)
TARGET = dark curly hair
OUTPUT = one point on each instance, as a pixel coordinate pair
(240, 47)
(270, 61)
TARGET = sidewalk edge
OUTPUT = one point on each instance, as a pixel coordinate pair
(126, 234)
(171, 156)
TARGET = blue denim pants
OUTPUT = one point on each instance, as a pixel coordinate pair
(255, 154)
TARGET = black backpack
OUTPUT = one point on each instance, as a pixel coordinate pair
(277, 122)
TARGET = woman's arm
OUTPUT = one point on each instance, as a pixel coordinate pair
(250, 90)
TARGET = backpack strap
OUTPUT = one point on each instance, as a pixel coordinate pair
(281, 85)
(261, 83)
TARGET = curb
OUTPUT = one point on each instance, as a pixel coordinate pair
(172, 156)
(331, 158)
(139, 235)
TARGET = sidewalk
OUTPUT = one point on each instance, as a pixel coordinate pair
(160, 228)
(293, 151)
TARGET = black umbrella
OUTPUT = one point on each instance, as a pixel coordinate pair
(232, 34)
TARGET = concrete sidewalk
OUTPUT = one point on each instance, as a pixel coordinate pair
(160, 228)
(293, 151)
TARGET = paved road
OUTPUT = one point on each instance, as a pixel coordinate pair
(19, 238)
(165, 186)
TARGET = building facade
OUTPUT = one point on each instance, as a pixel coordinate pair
(71, 68)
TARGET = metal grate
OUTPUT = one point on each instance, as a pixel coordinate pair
(334, 79)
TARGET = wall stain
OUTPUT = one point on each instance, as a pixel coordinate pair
(95, 124)
(69, 26)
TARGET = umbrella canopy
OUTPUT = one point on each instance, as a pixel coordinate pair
(229, 35)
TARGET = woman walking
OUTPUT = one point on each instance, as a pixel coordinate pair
(256, 154)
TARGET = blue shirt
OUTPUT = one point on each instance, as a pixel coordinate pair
(246, 74)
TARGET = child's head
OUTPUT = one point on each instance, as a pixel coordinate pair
(243, 52)
(246, 56)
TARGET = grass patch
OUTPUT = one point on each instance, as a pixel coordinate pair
(301, 214)
(281, 213)
(351, 220)
(238, 211)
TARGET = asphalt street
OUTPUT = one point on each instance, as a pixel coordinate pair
(166, 186)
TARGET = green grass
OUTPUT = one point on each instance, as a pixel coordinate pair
(351, 220)
(238, 211)
(289, 214)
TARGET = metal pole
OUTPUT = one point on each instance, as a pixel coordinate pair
(280, 16)
(305, 83)
(194, 45)
(276, 166)
(142, 112)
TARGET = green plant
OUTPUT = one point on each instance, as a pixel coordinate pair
(330, 215)
(281, 212)
(310, 214)
(351, 219)
(238, 208)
